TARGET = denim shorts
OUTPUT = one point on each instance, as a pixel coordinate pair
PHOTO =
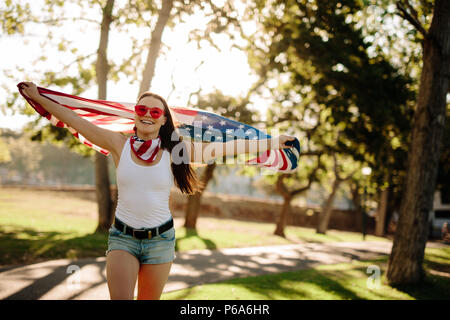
(159, 249)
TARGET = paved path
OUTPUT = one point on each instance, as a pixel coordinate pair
(85, 279)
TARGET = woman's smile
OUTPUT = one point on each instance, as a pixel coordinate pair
(147, 121)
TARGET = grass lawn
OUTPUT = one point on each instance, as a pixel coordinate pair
(328, 282)
(42, 225)
(39, 225)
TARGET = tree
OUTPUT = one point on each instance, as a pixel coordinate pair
(314, 51)
(54, 16)
(104, 71)
(327, 209)
(289, 194)
(155, 45)
(383, 192)
(102, 183)
(405, 261)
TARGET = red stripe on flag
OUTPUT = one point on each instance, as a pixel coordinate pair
(275, 162)
(111, 104)
(263, 158)
(185, 111)
(285, 162)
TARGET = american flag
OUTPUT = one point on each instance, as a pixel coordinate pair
(193, 123)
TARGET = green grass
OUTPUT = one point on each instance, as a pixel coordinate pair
(38, 225)
(328, 282)
(42, 225)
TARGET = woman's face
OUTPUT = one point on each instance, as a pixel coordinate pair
(146, 125)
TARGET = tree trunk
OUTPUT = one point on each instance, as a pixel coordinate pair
(192, 210)
(325, 215)
(405, 261)
(103, 187)
(193, 201)
(381, 213)
(103, 191)
(356, 199)
(155, 45)
(284, 214)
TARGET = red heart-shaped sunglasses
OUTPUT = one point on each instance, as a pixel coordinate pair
(155, 112)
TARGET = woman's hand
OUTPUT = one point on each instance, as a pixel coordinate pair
(30, 90)
(280, 142)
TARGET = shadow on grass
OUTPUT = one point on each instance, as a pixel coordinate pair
(340, 282)
(192, 233)
(276, 286)
(318, 284)
(432, 288)
(20, 245)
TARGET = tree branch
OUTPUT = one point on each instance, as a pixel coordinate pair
(403, 7)
(49, 21)
(67, 66)
(311, 178)
(281, 187)
(349, 175)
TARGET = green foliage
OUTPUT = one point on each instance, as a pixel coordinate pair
(230, 107)
(13, 16)
(77, 74)
(332, 83)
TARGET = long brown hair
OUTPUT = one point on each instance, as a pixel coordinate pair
(185, 177)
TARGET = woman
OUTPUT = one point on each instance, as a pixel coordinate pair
(141, 242)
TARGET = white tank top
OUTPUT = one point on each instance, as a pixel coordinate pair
(143, 191)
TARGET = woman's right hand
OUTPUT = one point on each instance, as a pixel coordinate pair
(279, 142)
(30, 90)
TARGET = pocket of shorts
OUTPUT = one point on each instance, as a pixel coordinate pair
(168, 235)
(113, 231)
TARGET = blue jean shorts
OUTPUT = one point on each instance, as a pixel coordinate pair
(159, 249)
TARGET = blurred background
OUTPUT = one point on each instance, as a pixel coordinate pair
(341, 76)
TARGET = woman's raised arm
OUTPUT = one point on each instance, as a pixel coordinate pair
(106, 139)
(203, 152)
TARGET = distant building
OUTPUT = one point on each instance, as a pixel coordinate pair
(439, 215)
